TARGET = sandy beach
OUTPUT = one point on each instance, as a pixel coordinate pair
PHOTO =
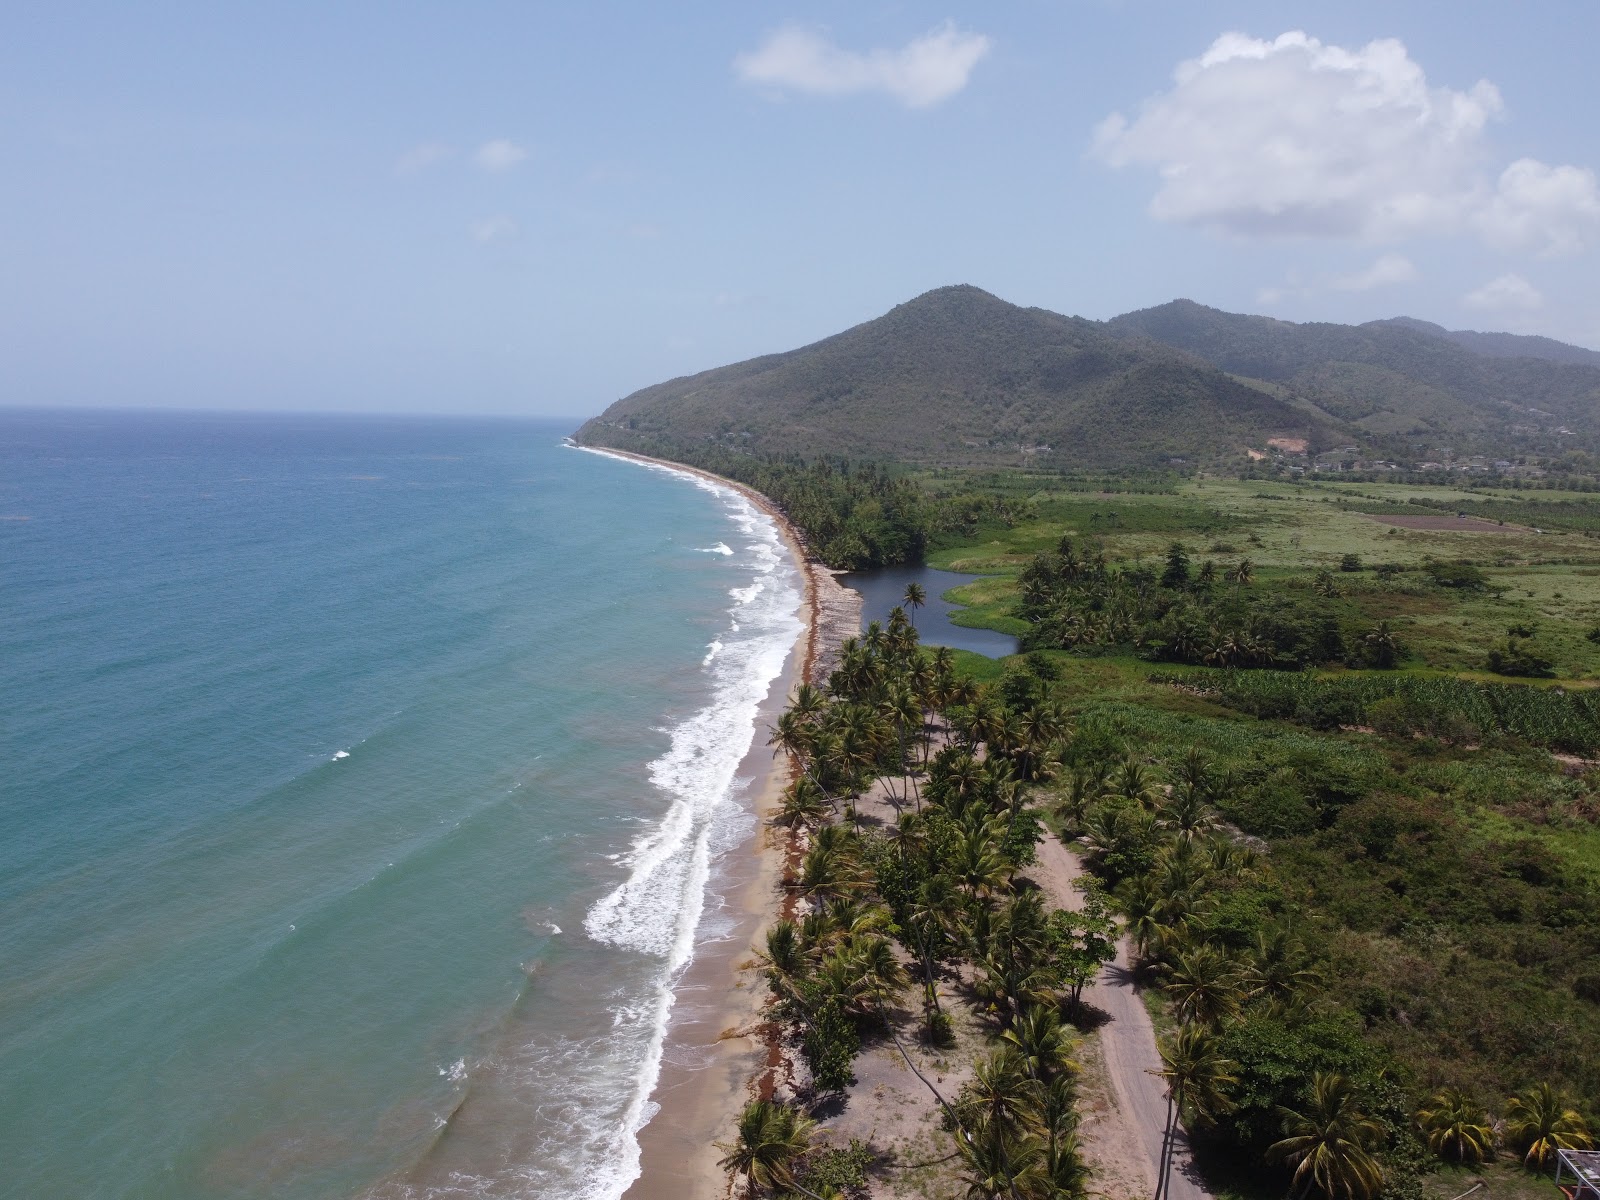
(716, 1057)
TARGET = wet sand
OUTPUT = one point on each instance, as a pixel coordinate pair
(717, 1054)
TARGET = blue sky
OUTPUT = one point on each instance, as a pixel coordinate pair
(532, 208)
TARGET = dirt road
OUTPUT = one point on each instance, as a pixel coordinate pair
(1122, 1134)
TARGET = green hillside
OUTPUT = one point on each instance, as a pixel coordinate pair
(1401, 382)
(960, 377)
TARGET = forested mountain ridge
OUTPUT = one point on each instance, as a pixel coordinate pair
(1503, 345)
(960, 377)
(1401, 380)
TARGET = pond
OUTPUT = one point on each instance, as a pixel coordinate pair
(884, 587)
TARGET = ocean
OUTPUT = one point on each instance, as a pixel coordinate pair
(364, 785)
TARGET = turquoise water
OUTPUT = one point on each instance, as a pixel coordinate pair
(362, 782)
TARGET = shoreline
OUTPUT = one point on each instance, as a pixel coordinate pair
(719, 1051)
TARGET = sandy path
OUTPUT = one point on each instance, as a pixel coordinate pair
(1125, 1105)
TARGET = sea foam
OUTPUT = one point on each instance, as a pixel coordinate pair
(657, 908)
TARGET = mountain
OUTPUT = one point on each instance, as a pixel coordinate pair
(1398, 381)
(958, 376)
(1503, 345)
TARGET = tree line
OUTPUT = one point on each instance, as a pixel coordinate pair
(931, 905)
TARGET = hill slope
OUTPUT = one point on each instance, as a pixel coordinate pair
(1399, 379)
(960, 376)
(1504, 345)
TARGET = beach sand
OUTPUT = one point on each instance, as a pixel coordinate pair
(717, 1053)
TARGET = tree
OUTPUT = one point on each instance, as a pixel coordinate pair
(1083, 942)
(1456, 1129)
(1243, 573)
(771, 1138)
(1176, 575)
(915, 597)
(1043, 1045)
(1203, 986)
(1329, 1142)
(1541, 1121)
(1197, 1075)
(1383, 647)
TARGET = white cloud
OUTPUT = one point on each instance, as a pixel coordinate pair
(422, 156)
(1507, 293)
(499, 155)
(493, 229)
(1296, 137)
(1551, 210)
(1389, 269)
(925, 71)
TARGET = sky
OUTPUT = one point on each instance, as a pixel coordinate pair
(536, 209)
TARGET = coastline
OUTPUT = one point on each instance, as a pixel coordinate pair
(718, 1054)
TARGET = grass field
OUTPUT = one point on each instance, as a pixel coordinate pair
(1548, 582)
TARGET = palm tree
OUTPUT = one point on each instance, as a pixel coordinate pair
(1203, 987)
(1198, 1075)
(915, 597)
(1243, 573)
(1541, 1121)
(1328, 1143)
(803, 803)
(771, 1138)
(1045, 1047)
(1383, 645)
(1276, 970)
(1457, 1130)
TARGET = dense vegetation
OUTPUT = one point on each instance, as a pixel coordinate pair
(960, 377)
(851, 515)
(957, 377)
(1389, 382)
(1381, 948)
(933, 902)
(1188, 615)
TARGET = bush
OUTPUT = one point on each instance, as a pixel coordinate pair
(830, 1045)
(1516, 656)
(843, 1170)
(1350, 562)
(1458, 574)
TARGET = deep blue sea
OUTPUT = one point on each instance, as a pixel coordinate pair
(362, 779)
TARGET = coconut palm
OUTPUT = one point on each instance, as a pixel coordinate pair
(1540, 1121)
(997, 1167)
(978, 865)
(1329, 1141)
(1002, 1096)
(803, 804)
(1197, 1075)
(771, 1138)
(1133, 781)
(1043, 1044)
(1457, 1130)
(1243, 573)
(915, 597)
(1203, 986)
(1276, 969)
(1383, 645)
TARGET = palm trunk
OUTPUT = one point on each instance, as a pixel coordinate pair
(1164, 1167)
